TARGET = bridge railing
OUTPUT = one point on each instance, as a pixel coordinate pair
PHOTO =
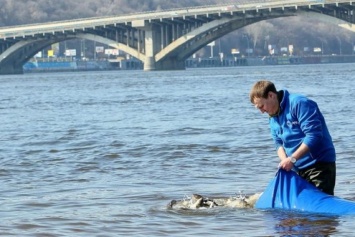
(231, 6)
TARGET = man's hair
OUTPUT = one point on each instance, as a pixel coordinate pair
(261, 89)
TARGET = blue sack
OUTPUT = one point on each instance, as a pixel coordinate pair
(289, 191)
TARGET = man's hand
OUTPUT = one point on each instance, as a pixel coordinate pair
(286, 164)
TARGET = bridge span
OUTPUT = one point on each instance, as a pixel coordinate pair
(163, 40)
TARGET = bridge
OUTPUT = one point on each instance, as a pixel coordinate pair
(163, 40)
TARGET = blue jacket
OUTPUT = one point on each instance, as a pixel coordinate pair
(300, 121)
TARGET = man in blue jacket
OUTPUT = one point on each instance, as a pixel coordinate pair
(301, 136)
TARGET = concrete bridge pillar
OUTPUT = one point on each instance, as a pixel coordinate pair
(151, 43)
(8, 69)
(150, 48)
(149, 64)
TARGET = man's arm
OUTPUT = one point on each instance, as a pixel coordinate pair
(286, 162)
(281, 153)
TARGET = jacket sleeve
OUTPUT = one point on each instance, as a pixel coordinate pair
(275, 131)
(310, 120)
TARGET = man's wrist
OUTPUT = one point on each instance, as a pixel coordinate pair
(293, 159)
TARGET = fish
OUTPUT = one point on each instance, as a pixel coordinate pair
(197, 201)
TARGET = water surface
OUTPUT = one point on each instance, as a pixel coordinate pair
(102, 153)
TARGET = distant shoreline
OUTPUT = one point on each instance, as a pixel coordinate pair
(106, 65)
(268, 60)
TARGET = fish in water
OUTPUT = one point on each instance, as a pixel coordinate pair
(197, 201)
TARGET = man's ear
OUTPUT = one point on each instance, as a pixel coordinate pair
(271, 95)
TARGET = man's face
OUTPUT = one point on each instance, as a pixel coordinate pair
(269, 105)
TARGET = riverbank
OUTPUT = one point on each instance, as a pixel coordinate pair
(62, 65)
(268, 60)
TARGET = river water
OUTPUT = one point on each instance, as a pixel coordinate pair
(103, 153)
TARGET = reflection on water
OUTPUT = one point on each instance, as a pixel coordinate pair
(302, 224)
